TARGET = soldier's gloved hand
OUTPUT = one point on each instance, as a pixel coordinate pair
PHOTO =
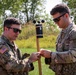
(34, 57)
(45, 53)
(25, 55)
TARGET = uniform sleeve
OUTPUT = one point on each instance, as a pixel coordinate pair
(68, 56)
(10, 63)
(62, 57)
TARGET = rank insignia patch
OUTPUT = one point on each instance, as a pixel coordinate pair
(3, 49)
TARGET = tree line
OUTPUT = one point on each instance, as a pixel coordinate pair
(27, 10)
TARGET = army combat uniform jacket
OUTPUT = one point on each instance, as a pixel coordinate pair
(11, 62)
(63, 61)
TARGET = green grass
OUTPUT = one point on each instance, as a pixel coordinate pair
(45, 68)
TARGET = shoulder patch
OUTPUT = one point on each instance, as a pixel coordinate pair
(3, 49)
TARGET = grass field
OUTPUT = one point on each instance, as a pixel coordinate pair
(45, 68)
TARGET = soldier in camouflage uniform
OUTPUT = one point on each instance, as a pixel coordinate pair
(63, 61)
(11, 60)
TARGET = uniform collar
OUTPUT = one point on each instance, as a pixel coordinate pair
(7, 41)
(67, 29)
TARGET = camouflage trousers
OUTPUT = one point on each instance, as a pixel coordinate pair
(24, 73)
(64, 69)
(4, 72)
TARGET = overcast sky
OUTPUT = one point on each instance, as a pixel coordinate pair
(50, 4)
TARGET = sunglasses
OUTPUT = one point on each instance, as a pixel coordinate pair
(58, 18)
(15, 29)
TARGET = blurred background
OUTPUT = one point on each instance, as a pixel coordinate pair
(27, 11)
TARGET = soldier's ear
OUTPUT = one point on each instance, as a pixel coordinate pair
(66, 15)
(5, 28)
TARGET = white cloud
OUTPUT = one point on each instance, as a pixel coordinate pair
(50, 4)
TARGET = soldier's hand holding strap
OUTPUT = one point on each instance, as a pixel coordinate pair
(34, 57)
(45, 53)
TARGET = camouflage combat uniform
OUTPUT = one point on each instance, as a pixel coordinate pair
(11, 62)
(63, 61)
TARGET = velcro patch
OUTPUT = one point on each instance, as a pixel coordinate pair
(3, 49)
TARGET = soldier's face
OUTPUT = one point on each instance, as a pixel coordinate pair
(13, 32)
(59, 19)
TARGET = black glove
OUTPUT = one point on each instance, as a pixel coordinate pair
(25, 55)
(47, 61)
(31, 66)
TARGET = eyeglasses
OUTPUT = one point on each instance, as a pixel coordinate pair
(15, 29)
(58, 18)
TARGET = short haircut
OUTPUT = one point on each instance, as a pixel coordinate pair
(60, 8)
(9, 21)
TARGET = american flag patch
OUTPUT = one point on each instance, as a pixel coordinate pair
(3, 49)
